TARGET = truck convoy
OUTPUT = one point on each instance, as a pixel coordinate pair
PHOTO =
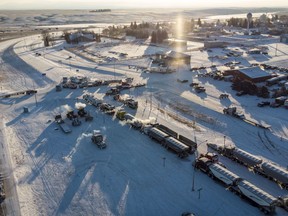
(27, 92)
(264, 201)
(255, 163)
(171, 140)
(232, 111)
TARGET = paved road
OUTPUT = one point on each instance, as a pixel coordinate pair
(11, 203)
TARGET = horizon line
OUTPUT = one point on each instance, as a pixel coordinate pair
(147, 8)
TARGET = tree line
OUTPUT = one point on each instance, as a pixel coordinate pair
(159, 36)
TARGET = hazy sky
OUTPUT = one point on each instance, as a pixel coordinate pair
(97, 4)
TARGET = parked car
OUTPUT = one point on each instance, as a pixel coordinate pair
(193, 84)
(263, 103)
(275, 105)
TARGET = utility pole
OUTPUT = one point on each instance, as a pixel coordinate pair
(196, 156)
(114, 70)
(193, 177)
(35, 94)
(150, 101)
(164, 158)
(199, 190)
(224, 141)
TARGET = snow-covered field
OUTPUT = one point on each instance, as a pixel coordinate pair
(66, 174)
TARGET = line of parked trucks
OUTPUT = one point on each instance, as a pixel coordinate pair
(209, 164)
(269, 170)
(171, 140)
(232, 111)
(243, 188)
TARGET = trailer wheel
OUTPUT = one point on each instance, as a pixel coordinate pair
(210, 175)
(265, 211)
(285, 186)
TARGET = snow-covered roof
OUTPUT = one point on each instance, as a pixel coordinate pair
(254, 72)
(174, 54)
(76, 35)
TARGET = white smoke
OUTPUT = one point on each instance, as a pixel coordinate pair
(96, 131)
(67, 108)
(151, 120)
(125, 97)
(86, 135)
(80, 105)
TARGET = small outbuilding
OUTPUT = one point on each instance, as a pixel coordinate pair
(214, 44)
(175, 43)
(253, 74)
(284, 38)
(81, 36)
(254, 51)
(173, 57)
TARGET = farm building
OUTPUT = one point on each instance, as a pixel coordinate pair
(175, 43)
(79, 37)
(253, 74)
(173, 57)
(214, 44)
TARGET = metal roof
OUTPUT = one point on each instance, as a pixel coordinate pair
(254, 72)
(173, 54)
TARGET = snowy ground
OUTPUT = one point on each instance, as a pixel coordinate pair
(66, 174)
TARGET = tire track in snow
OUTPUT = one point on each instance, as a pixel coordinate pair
(37, 170)
(264, 142)
(123, 201)
(283, 152)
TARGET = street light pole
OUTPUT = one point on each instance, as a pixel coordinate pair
(199, 190)
(35, 94)
(224, 141)
(164, 161)
(196, 156)
(114, 70)
(193, 178)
